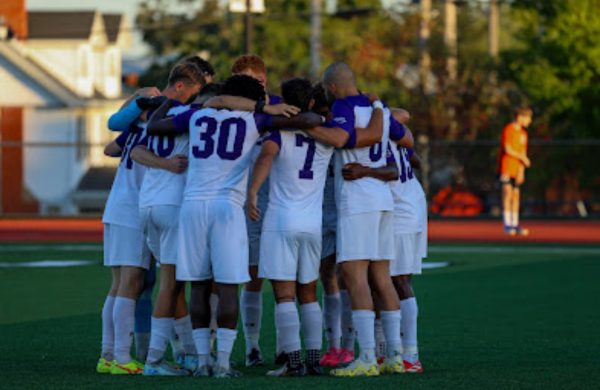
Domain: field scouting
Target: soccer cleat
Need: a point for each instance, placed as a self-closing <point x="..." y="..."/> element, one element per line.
<point x="288" y="370"/>
<point x="222" y="372"/>
<point x="357" y="368"/>
<point x="380" y="360"/>
<point x="281" y="358"/>
<point x="313" y="369"/>
<point x="511" y="231"/>
<point x="103" y="366"/>
<point x="188" y="362"/>
<point x="133" y="367"/>
<point x="392" y="366"/>
<point x="204" y="371"/>
<point x="163" y="368"/>
<point x="345" y="356"/>
<point x="521" y="231"/>
<point x="330" y="358"/>
<point x="413" y="368"/>
<point x="254" y="358"/>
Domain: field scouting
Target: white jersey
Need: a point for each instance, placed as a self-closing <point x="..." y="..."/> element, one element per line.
<point x="221" y="142"/>
<point x="162" y="187"/>
<point x="122" y="204"/>
<point x="365" y="194"/>
<point x="297" y="181"/>
<point x="410" y="205"/>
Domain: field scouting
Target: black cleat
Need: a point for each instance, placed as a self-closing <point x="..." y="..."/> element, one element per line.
<point x="281" y="358"/>
<point x="313" y="369"/>
<point x="288" y="370"/>
<point x="254" y="358"/>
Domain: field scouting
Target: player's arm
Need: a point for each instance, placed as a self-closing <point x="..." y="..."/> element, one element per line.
<point x="262" y="167"/>
<point x="159" y="125"/>
<point x="115" y="147"/>
<point x="175" y="164"/>
<point x="142" y="92"/>
<point x="243" y="104"/>
<point x="349" y="137"/>
<point x="399" y="133"/>
<point x="131" y="110"/>
<point x="414" y="159"/>
<point x="401" y="115"/>
<point x="354" y="171"/>
<point x="508" y="149"/>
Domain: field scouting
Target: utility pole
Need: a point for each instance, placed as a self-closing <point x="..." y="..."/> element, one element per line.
<point x="424" y="58"/>
<point x="450" y="39"/>
<point x="316" y="7"/>
<point x="248" y="27"/>
<point x="494" y="29"/>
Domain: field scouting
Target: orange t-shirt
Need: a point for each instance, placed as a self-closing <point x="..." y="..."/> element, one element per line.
<point x="515" y="137"/>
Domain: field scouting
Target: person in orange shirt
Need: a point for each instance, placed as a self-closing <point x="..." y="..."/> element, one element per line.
<point x="512" y="163"/>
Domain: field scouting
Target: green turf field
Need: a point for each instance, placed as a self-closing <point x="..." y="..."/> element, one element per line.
<point x="498" y="316"/>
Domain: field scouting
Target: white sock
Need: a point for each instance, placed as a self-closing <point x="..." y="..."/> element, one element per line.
<point x="225" y="340"/>
<point x="410" y="312"/>
<point x="176" y="345"/>
<point x="288" y="326"/>
<point x="348" y="328"/>
<point x="312" y="325"/>
<point x="108" y="330"/>
<point x="251" y="310"/>
<point x="123" y="320"/>
<point x="332" y="316"/>
<point x="183" y="330"/>
<point x="202" y="340"/>
<point x="364" y="322"/>
<point x="159" y="338"/>
<point x="391" y="329"/>
<point x="507" y="218"/>
<point x="379" y="339"/>
<point x="515" y="219"/>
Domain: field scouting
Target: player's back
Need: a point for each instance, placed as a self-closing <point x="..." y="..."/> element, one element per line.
<point x="297" y="180"/>
<point x="161" y="186"/>
<point x="219" y="154"/>
<point x="365" y="194"/>
<point x="408" y="194"/>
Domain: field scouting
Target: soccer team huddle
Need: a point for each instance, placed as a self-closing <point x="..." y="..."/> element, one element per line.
<point x="223" y="185"/>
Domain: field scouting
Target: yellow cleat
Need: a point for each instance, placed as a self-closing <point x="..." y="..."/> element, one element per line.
<point x="133" y="367"/>
<point x="357" y="368"/>
<point x="103" y="366"/>
<point x="392" y="366"/>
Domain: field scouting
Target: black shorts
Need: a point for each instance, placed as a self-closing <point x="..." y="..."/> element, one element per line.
<point x="509" y="180"/>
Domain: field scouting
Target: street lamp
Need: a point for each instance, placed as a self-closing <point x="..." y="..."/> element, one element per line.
<point x="247" y="7"/>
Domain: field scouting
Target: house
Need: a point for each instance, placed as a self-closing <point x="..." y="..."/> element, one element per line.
<point x="60" y="79"/>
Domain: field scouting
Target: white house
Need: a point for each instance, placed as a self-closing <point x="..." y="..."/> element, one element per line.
<point x="60" y="79"/>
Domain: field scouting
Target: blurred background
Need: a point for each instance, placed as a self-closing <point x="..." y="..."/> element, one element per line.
<point x="459" y="67"/>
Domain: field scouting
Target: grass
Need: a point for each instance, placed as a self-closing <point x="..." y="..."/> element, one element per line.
<point x="521" y="319"/>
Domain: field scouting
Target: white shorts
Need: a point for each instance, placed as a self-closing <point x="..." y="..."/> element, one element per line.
<point x="291" y="256"/>
<point x="161" y="225"/>
<point x="411" y="248"/>
<point x="328" y="245"/>
<point x="125" y="246"/>
<point x="365" y="236"/>
<point x="213" y="242"/>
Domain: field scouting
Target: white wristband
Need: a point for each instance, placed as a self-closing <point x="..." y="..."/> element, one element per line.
<point x="377" y="104"/>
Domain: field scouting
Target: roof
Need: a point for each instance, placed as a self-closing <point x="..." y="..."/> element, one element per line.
<point x="112" y="25"/>
<point x="60" y="25"/>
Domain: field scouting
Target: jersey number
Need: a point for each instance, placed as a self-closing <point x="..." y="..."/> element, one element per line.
<point x="406" y="172"/>
<point x="132" y="141"/>
<point x="306" y="171"/>
<point x="375" y="152"/>
<point x="162" y="145"/>
<point x="230" y="142"/>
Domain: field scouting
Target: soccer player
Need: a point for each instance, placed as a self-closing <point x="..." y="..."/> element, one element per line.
<point x="184" y="81"/>
<point x="251" y="296"/>
<point x="160" y="199"/>
<point x="364" y="236"/>
<point x="512" y="163"/>
<point x="290" y="247"/>
<point x="213" y="241"/>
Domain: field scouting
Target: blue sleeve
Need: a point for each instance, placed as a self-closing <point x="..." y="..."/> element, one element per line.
<point x="343" y="117"/>
<point x="121" y="120"/>
<point x="181" y="121"/>
<point x="409" y="152"/>
<point x="264" y="122"/>
<point x="397" y="129"/>
<point x="121" y="140"/>
<point x="274" y="99"/>
<point x="274" y="136"/>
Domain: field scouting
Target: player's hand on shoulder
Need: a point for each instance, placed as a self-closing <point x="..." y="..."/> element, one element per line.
<point x="353" y="171"/>
<point x="372" y="97"/>
<point x="148" y="92"/>
<point x="527" y="162"/>
<point x="252" y="207"/>
<point x="177" y="163"/>
<point x="281" y="109"/>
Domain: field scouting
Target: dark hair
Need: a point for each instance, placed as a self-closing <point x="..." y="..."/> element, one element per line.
<point x="244" y="86"/>
<point x="187" y="72"/>
<point x="297" y="92"/>
<point x="204" y="66"/>
<point x="322" y="103"/>
<point x="208" y="91"/>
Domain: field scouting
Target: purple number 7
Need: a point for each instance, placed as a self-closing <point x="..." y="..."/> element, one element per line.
<point x="306" y="172"/>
